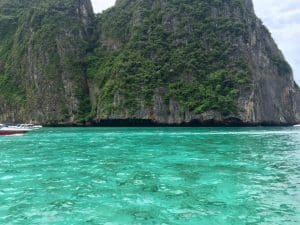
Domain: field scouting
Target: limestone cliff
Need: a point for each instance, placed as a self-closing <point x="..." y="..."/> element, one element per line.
<point x="42" y="49"/>
<point x="210" y="62"/>
<point x="143" y="61"/>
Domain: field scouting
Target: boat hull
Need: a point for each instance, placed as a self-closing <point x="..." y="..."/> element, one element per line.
<point x="6" y="133"/>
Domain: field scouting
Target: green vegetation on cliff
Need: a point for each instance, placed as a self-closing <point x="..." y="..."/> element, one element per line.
<point x="180" y="47"/>
<point x="164" y="61"/>
<point x="42" y="57"/>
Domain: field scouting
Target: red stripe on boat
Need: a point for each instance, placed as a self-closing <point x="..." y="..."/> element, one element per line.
<point x="11" y="132"/>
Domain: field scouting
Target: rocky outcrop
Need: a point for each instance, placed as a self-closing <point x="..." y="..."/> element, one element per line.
<point x="271" y="99"/>
<point x="45" y="63"/>
<point x="142" y="62"/>
<point x="297" y="105"/>
<point x="268" y="97"/>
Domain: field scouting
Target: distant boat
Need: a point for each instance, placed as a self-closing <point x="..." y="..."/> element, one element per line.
<point x="31" y="126"/>
<point x="17" y="129"/>
<point x="298" y="125"/>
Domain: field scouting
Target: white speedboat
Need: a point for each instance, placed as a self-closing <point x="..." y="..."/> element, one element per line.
<point x="297" y="125"/>
<point x="17" y="129"/>
<point x="13" y="130"/>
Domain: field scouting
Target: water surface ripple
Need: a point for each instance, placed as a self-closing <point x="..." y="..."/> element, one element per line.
<point x="188" y="176"/>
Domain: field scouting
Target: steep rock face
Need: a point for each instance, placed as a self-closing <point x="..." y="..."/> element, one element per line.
<point x="159" y="61"/>
<point x="190" y="61"/>
<point x="43" y="71"/>
<point x="272" y="96"/>
<point x="297" y="105"/>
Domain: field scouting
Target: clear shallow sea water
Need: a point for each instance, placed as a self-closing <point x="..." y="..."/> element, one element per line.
<point x="120" y="176"/>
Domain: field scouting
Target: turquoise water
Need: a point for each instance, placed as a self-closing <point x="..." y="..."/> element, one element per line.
<point x="190" y="176"/>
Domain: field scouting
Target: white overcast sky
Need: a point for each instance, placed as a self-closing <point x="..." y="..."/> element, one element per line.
<point x="281" y="17"/>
